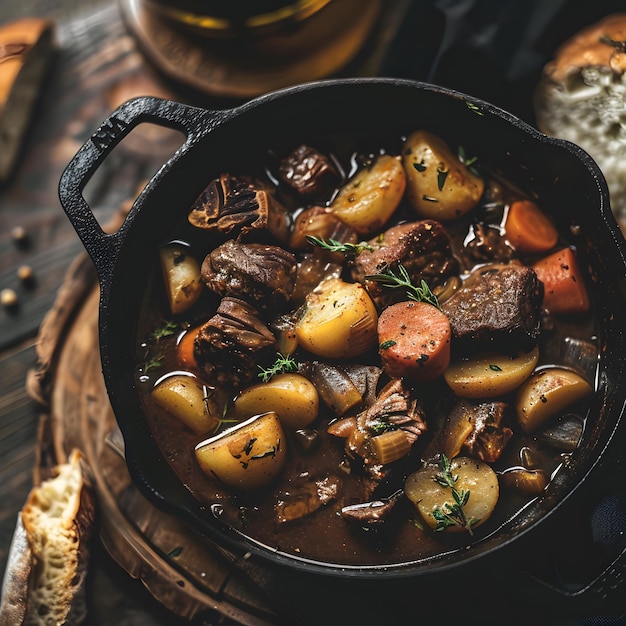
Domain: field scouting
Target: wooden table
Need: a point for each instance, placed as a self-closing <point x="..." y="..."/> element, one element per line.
<point x="97" y="66"/>
<point x="96" y="62"/>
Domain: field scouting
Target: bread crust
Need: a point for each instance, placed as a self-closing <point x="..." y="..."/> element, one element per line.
<point x="44" y="581"/>
<point x="591" y="47"/>
<point x="581" y="97"/>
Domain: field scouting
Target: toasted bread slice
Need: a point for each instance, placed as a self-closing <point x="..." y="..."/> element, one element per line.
<point x="44" y="582"/>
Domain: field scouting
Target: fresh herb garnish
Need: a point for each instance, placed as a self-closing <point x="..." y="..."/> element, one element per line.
<point x="332" y="245"/>
<point x="472" y="107"/>
<point x="441" y="178"/>
<point x="452" y="514"/>
<point x="152" y="363"/>
<point x="282" y="365"/>
<point x="469" y="162"/>
<point x="403" y="281"/>
<point x="167" y="330"/>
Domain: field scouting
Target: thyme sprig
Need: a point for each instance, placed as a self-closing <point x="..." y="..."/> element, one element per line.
<point x="332" y="245"/>
<point x="469" y="162"/>
<point x="402" y="280"/>
<point x="154" y="357"/>
<point x="452" y="514"/>
<point x="281" y="365"/>
<point x="167" y="329"/>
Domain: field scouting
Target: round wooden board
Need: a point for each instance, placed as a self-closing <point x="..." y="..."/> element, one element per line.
<point x="187" y="575"/>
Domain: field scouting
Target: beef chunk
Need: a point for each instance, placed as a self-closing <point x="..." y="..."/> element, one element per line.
<point x="308" y="171"/>
<point x="498" y="307"/>
<point x="488" y="246"/>
<point x="306" y="497"/>
<point x="232" y="343"/>
<point x="490" y="432"/>
<point x="240" y="207"/>
<point x="422" y="248"/>
<point x="480" y="429"/>
<point x="393" y="409"/>
<point x="264" y="275"/>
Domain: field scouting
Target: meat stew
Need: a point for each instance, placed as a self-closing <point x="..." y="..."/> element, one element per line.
<point x="371" y="467"/>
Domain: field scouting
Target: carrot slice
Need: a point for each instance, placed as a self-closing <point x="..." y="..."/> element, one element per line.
<point x="564" y="283"/>
<point x="184" y="350"/>
<point x="528" y="229"/>
<point x="414" y="341"/>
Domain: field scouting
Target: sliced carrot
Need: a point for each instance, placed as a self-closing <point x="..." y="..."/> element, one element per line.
<point x="414" y="341"/>
<point x="564" y="283"/>
<point x="528" y="229"/>
<point x="184" y="350"/>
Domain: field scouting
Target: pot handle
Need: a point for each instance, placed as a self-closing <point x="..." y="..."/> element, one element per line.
<point x="192" y="121"/>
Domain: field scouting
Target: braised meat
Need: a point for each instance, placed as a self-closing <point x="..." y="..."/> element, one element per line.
<point x="393" y="410"/>
<point x="308" y="171"/>
<point x="497" y="307"/>
<point x="488" y="246"/>
<point x="491" y="432"/>
<point x="262" y="274"/>
<point x="305" y="496"/>
<point x="229" y="347"/>
<point x="240" y="207"/>
<point x="422" y="248"/>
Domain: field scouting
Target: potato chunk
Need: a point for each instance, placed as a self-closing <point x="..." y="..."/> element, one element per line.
<point x="439" y="185"/>
<point x="291" y="396"/>
<point x="434" y="501"/>
<point x="181" y="276"/>
<point x="247" y="456"/>
<point x="546" y="393"/>
<point x="339" y="320"/>
<point x="189" y="400"/>
<point x="490" y="375"/>
<point x="370" y="198"/>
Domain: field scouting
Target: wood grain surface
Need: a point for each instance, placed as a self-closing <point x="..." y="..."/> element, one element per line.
<point x="96" y="67"/>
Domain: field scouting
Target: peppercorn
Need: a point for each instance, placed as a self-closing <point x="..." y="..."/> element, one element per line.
<point x="8" y="298"/>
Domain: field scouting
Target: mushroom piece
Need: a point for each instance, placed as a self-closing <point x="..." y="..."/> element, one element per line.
<point x="373" y="514"/>
<point x="239" y="207"/>
<point x="308" y="172"/>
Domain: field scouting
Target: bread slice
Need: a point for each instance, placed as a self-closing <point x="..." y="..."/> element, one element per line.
<point x="25" y="54"/>
<point x="44" y="582"/>
<point x="581" y="97"/>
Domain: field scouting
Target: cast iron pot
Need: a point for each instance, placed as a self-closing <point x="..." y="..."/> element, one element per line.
<point x="566" y="179"/>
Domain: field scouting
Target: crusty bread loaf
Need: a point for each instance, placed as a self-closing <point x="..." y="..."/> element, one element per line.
<point x="581" y="97"/>
<point x="44" y="582"/>
<point x="25" y="55"/>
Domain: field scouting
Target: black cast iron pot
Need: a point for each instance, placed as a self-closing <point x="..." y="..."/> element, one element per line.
<point x="562" y="175"/>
